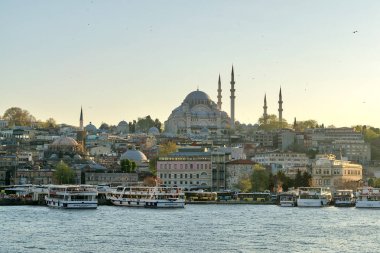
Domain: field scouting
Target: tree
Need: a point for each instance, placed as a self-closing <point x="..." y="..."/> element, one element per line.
<point x="18" y="117"/>
<point x="167" y="148"/>
<point x="302" y="125"/>
<point x="64" y="174"/>
<point x="128" y="166"/>
<point x="306" y="179"/>
<point x="153" y="165"/>
<point x="298" y="181"/>
<point x="260" y="179"/>
<point x="244" y="184"/>
<point x="273" y="123"/>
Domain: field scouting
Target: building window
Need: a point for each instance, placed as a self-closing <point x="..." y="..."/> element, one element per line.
<point x="175" y="166"/>
<point x="185" y="166"/>
<point x="181" y="166"/>
<point x="180" y="175"/>
<point x="191" y="166"/>
<point x="185" y="175"/>
<point x="175" y="175"/>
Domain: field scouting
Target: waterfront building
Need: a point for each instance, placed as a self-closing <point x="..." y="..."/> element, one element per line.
<point x="34" y="176"/>
<point x="8" y="166"/>
<point x="113" y="179"/>
<point x="3" y="123"/>
<point x="219" y="160"/>
<point x="327" y="171"/>
<point x="189" y="167"/>
<point x="236" y="170"/>
<point x="281" y="160"/>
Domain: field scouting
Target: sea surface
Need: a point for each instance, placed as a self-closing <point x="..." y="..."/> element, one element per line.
<point x="196" y="228"/>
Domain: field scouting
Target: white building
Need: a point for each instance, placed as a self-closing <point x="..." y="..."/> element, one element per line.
<point x="281" y="160"/>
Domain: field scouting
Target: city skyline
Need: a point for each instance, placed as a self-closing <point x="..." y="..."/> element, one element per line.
<point x="124" y="60"/>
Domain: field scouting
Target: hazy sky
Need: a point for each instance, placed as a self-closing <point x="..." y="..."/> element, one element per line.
<point x="127" y="59"/>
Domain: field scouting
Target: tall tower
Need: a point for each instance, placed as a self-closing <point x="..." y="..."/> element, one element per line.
<point x="232" y="98"/>
<point x="265" y="115"/>
<point x="81" y="119"/>
<point x="219" y="94"/>
<point x="280" y="109"/>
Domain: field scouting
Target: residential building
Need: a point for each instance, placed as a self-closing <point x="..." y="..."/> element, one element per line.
<point x="189" y="167"/>
<point x="327" y="171"/>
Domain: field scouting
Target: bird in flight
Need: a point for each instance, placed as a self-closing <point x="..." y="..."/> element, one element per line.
<point x="355" y="31"/>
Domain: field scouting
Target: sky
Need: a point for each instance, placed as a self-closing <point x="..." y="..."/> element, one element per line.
<point x="122" y="60"/>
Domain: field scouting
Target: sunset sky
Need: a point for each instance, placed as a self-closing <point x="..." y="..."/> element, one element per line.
<point x="122" y="60"/>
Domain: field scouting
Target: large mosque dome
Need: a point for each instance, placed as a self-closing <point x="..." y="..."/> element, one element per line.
<point x="197" y="112"/>
<point x="197" y="97"/>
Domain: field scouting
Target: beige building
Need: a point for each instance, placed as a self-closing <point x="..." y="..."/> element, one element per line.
<point x="336" y="174"/>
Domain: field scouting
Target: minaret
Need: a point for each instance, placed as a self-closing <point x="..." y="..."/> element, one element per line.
<point x="232" y="98"/>
<point x="295" y="123"/>
<point x="280" y="109"/>
<point x="219" y="94"/>
<point x="265" y="115"/>
<point x="81" y="119"/>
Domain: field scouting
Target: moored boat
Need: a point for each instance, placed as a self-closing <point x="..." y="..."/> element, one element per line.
<point x="344" y="198"/>
<point x="72" y="196"/>
<point x="313" y="196"/>
<point x="368" y="197"/>
<point x="149" y="197"/>
<point x="288" y="199"/>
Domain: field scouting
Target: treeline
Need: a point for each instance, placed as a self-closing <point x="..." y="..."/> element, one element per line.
<point x="262" y="179"/>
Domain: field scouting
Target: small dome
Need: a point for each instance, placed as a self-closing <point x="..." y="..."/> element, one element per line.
<point x="196" y="97"/>
<point x="91" y="128"/>
<point x="154" y="131"/>
<point x="65" y="141"/>
<point x="134" y="155"/>
<point x="123" y="123"/>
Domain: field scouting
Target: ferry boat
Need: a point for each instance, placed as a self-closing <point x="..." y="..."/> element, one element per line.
<point x="288" y="199"/>
<point x="72" y="196"/>
<point x="344" y="198"/>
<point x="313" y="196"/>
<point x="149" y="197"/>
<point x="368" y="197"/>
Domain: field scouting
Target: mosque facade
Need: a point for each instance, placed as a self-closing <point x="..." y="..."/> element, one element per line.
<point x="200" y="115"/>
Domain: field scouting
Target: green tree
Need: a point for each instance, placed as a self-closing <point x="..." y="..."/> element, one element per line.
<point x="244" y="184"/>
<point x="153" y="165"/>
<point x="302" y="125"/>
<point x="298" y="181"/>
<point x="167" y="148"/>
<point x="306" y="179"/>
<point x="18" y="117"/>
<point x="273" y="123"/>
<point x="63" y="174"/>
<point x="128" y="166"/>
<point x="260" y="178"/>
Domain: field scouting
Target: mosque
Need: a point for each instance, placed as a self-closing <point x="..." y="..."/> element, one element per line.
<point x="199" y="115"/>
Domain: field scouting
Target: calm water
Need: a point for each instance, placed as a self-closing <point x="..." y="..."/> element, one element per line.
<point x="197" y="228"/>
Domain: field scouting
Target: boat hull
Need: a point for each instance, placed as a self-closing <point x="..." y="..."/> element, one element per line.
<point x="367" y="204"/>
<point x="288" y="203"/>
<point x="149" y="203"/>
<point x="72" y="204"/>
<point x="344" y="203"/>
<point x="311" y="202"/>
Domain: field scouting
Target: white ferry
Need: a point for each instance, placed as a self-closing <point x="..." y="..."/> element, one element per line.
<point x="344" y="198"/>
<point x="150" y="197"/>
<point x="72" y="196"/>
<point x="368" y="197"/>
<point x="313" y="196"/>
<point x="288" y="199"/>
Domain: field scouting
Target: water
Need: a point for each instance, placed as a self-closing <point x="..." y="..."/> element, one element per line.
<point x="196" y="228"/>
